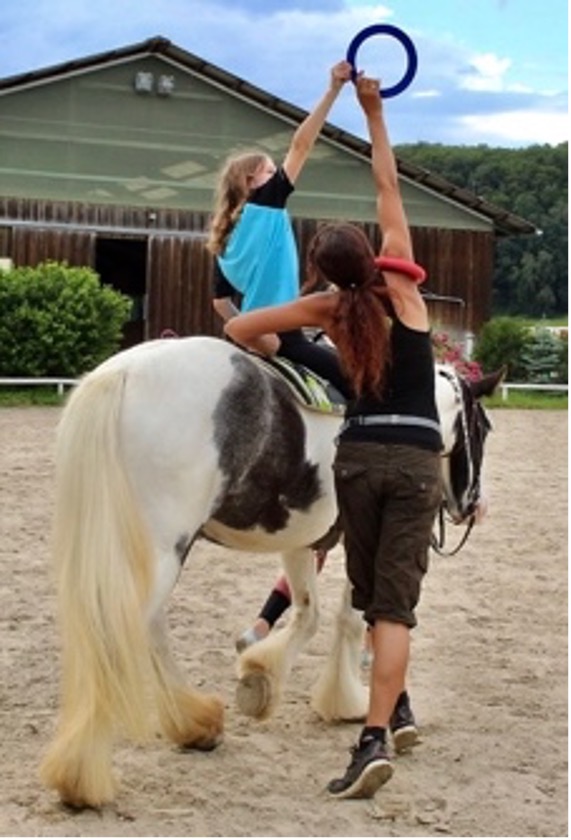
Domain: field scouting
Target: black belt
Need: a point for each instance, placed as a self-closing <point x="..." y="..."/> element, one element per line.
<point x="390" y="420"/>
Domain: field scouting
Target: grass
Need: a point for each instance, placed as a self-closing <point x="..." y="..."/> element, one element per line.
<point x="30" y="395"/>
<point x="529" y="399"/>
<point x="560" y="321"/>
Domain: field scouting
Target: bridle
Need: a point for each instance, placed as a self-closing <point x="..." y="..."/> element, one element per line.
<point x="474" y="428"/>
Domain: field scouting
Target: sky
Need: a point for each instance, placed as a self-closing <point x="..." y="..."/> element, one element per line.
<point x="489" y="71"/>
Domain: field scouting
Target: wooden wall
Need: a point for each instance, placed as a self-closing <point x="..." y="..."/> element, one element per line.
<point x="459" y="264"/>
<point x="179" y="269"/>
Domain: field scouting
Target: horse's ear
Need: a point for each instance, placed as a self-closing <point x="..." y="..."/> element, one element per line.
<point x="486" y="386"/>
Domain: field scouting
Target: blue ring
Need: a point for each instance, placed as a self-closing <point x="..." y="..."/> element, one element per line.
<point x="402" y="37"/>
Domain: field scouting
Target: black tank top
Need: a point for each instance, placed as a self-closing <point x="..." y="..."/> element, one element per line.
<point x="409" y="393"/>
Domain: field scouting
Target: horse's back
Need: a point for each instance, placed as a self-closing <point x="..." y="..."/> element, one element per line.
<point x="168" y="358"/>
<point x="202" y="420"/>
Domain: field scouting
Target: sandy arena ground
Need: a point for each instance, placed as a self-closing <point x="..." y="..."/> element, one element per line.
<point x="488" y="675"/>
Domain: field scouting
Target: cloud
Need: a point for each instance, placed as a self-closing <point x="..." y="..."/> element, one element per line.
<point x="432" y="93"/>
<point x="249" y="37"/>
<point x="287" y="47"/>
<point x="486" y="72"/>
<point x="518" y="128"/>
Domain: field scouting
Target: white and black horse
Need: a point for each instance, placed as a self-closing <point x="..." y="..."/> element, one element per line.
<point x="160" y="445"/>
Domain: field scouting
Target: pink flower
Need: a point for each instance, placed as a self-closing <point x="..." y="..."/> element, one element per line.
<point x="447" y="351"/>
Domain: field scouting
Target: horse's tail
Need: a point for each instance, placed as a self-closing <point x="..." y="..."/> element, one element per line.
<point x="104" y="573"/>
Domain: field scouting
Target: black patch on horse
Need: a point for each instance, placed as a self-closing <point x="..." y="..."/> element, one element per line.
<point x="260" y="437"/>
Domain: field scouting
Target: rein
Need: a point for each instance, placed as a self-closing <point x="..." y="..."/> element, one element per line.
<point x="437" y="540"/>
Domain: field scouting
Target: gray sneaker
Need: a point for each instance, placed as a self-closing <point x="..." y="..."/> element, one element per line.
<point x="369" y="768"/>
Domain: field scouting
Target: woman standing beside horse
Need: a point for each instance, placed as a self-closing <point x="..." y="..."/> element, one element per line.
<point x="387" y="468"/>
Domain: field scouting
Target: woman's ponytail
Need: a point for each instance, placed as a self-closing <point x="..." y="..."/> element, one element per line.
<point x="341" y="254"/>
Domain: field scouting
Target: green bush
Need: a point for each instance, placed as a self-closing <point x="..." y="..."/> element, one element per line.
<point x="57" y="321"/>
<point x="503" y="341"/>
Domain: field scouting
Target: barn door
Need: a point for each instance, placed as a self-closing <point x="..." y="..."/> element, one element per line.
<point x="179" y="286"/>
<point x="121" y="262"/>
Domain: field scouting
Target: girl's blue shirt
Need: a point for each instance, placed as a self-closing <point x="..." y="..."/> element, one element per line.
<point x="260" y="259"/>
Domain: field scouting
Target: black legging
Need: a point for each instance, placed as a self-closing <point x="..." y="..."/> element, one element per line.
<point x="324" y="361"/>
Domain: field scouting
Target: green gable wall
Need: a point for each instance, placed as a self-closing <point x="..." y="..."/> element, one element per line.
<point x="92" y="138"/>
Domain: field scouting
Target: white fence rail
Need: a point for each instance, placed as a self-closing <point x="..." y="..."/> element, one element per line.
<point x="61" y="383"/>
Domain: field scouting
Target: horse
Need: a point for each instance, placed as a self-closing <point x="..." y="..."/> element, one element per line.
<point x="172" y="441"/>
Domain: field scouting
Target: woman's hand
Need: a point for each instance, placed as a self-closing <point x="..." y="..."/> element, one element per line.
<point x="368" y="94"/>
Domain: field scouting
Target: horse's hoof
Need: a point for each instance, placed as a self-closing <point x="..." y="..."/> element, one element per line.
<point x="78" y="807"/>
<point x="253" y="694"/>
<point x="202" y="744"/>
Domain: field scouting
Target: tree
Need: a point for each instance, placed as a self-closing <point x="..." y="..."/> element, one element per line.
<point x="541" y="357"/>
<point x="531" y="272"/>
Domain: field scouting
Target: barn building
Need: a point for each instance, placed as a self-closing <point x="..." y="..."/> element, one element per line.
<point x="110" y="161"/>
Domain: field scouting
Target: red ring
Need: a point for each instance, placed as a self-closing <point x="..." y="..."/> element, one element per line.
<point x="411" y="269"/>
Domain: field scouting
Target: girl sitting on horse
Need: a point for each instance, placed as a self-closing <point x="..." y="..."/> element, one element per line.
<point x="252" y="239"/>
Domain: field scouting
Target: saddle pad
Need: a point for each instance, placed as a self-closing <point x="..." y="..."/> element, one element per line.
<point x="310" y="389"/>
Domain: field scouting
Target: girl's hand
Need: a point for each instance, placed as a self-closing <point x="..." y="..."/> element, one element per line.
<point x="340" y="73"/>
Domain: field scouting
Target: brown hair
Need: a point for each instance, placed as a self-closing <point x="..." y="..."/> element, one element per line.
<point x="234" y="187"/>
<point x="341" y="254"/>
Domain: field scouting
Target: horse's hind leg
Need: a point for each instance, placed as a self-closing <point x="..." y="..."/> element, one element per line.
<point x="78" y="763"/>
<point x="187" y="717"/>
<point x="263" y="668"/>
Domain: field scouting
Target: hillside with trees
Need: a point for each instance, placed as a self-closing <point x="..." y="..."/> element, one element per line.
<point x="531" y="272"/>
